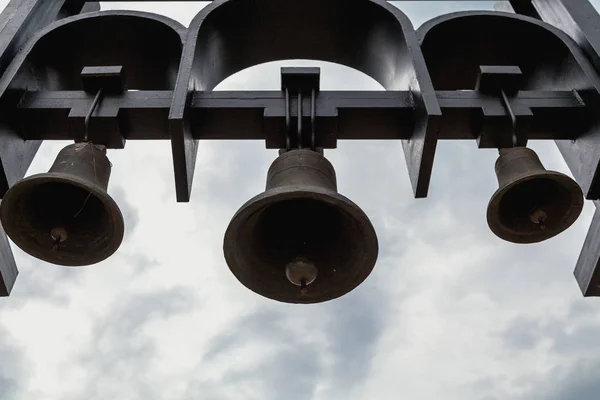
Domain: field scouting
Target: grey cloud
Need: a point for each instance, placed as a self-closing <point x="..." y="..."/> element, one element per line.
<point x="488" y="388"/>
<point x="583" y="342"/>
<point x="130" y="214"/>
<point x="353" y="328"/>
<point x="118" y="348"/>
<point x="579" y="380"/>
<point x="573" y="340"/>
<point x="293" y="372"/>
<point x="574" y="336"/>
<point x="419" y="13"/>
<point x="9" y="387"/>
<point x="238" y="173"/>
<point x="13" y="367"/>
<point x="37" y="281"/>
<point x="350" y="326"/>
<point x="523" y="333"/>
<point x="583" y="309"/>
<point x="140" y="262"/>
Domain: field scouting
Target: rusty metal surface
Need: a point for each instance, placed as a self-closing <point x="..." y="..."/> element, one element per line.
<point x="8" y="265"/>
<point x="531" y="204"/>
<point x="301" y="215"/>
<point x="71" y="198"/>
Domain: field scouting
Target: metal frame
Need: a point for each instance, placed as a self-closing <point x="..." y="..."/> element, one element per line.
<point x="47" y="88"/>
<point x="580" y="20"/>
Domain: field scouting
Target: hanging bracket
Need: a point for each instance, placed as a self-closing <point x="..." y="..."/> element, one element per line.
<point x="300" y="83"/>
<point x="99" y="123"/>
<point x="495" y="130"/>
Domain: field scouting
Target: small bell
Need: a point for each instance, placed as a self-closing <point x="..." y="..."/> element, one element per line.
<point x="300" y="241"/>
<point x="532" y="204"/>
<point x="65" y="216"/>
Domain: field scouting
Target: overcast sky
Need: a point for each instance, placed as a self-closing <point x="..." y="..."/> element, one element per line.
<point x="450" y="312"/>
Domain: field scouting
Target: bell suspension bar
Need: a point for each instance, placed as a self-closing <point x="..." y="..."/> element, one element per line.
<point x="326" y="116"/>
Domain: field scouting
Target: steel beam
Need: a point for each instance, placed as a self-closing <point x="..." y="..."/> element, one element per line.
<point x="260" y="115"/>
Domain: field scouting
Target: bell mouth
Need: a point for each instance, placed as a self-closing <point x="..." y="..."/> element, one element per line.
<point x="535" y="207"/>
<point x="319" y="226"/>
<point x="62" y="219"/>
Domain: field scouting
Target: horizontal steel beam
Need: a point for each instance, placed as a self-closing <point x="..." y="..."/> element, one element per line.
<point x="143" y="115"/>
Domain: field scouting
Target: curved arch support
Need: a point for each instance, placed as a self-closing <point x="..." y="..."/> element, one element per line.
<point x="455" y="45"/>
<point x="53" y="59"/>
<point x="368" y="35"/>
<point x="145" y="44"/>
<point x="149" y="45"/>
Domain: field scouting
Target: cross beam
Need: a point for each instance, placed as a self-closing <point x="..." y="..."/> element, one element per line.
<point x="260" y="115"/>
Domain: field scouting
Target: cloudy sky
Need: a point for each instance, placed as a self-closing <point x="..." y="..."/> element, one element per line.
<point x="450" y="311"/>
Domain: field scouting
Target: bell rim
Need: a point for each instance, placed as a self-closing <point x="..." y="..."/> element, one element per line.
<point x="508" y="235"/>
<point x="256" y="203"/>
<point x="117" y="220"/>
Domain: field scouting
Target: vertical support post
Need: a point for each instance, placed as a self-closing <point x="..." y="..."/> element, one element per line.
<point x="19" y="21"/>
<point x="587" y="270"/>
<point x="8" y="266"/>
<point x="578" y="18"/>
<point x="75" y="7"/>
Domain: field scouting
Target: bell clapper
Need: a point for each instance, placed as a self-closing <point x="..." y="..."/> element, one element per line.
<point x="538" y="216"/>
<point x="303" y="287"/>
<point x="59" y="235"/>
<point x="301" y="272"/>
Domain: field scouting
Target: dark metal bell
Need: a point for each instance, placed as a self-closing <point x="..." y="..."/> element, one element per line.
<point x="65" y="216"/>
<point x="300" y="241"/>
<point x="532" y="204"/>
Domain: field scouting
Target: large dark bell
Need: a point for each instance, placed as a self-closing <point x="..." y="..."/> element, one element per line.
<point x="300" y="241"/>
<point x="65" y="216"/>
<point x="532" y="204"/>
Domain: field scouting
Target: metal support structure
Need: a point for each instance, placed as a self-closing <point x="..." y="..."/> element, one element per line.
<point x="146" y="77"/>
<point x="340" y="115"/>
<point x="580" y="20"/>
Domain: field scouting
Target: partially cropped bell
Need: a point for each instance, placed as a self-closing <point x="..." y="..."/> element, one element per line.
<point x="532" y="204"/>
<point x="65" y="216"/>
<point x="300" y="241"/>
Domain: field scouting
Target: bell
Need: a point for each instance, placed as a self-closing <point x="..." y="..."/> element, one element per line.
<point x="532" y="204"/>
<point x="65" y="216"/>
<point x="300" y="241"/>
